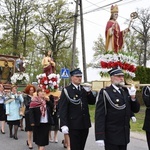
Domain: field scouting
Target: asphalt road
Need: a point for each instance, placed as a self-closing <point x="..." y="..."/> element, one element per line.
<point x="138" y="142"/>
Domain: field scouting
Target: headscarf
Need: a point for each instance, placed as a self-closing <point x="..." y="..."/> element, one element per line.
<point x="39" y="102"/>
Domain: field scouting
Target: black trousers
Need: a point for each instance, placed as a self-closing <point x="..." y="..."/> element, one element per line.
<point x="78" y="138"/>
<point x="148" y="139"/>
<point x="109" y="146"/>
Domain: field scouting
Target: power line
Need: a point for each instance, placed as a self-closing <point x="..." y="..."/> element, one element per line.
<point x="92" y="3"/>
<point x="132" y="1"/>
<point x="102" y="7"/>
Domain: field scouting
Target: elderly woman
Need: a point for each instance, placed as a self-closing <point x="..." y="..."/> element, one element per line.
<point x="13" y="104"/>
<point x="2" y="109"/>
<point x="40" y="118"/>
<point x="29" y="90"/>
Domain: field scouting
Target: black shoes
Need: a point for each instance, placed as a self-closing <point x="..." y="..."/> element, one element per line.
<point x="63" y="142"/>
<point x="28" y="145"/>
<point x="2" y="132"/>
<point x="15" y="138"/>
<point x="11" y="136"/>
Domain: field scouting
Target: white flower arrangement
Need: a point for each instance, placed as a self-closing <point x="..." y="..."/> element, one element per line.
<point x="123" y="60"/>
<point x="50" y="82"/>
<point x="20" y="78"/>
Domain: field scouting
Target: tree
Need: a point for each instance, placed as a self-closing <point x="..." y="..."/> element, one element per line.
<point x="99" y="48"/>
<point x="143" y="29"/>
<point x="56" y="24"/>
<point x="133" y="46"/>
<point x="16" y="18"/>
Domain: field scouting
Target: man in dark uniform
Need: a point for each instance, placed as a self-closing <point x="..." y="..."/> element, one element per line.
<point x="113" y="110"/>
<point x="146" y="125"/>
<point x="74" y="111"/>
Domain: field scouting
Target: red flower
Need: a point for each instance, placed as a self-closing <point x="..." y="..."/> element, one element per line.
<point x="56" y="86"/>
<point x="103" y="64"/>
<point x="47" y="91"/>
<point x="53" y="79"/>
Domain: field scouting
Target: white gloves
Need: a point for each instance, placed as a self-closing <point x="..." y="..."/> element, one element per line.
<point x="133" y="119"/>
<point x="87" y="88"/>
<point x="65" y="129"/>
<point x="100" y="143"/>
<point x="132" y="90"/>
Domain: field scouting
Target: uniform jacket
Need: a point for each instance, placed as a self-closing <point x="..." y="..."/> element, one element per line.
<point x="27" y="100"/>
<point x="111" y="124"/>
<point x="13" y="107"/>
<point x="146" y="99"/>
<point x="35" y="114"/>
<point x="72" y="115"/>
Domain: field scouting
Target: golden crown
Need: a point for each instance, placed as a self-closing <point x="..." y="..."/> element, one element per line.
<point x="114" y="9"/>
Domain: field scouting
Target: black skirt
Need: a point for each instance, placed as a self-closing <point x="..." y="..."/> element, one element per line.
<point x="14" y="122"/>
<point x="28" y="126"/>
<point x="41" y="134"/>
<point x="2" y="113"/>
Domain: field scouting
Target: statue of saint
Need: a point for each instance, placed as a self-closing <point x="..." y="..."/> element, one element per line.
<point x="21" y="63"/>
<point x="114" y="37"/>
<point x="6" y="72"/>
<point x="48" y="63"/>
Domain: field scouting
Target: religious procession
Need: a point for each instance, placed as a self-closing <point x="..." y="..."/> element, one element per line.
<point x="44" y="105"/>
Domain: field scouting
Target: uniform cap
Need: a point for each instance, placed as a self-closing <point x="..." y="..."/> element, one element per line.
<point x="76" y="72"/>
<point x="115" y="71"/>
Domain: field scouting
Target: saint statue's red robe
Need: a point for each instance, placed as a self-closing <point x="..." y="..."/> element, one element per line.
<point x="114" y="40"/>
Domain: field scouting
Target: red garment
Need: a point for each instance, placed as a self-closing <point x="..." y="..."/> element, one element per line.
<point x="39" y="102"/>
<point x="49" y="69"/>
<point x="117" y="37"/>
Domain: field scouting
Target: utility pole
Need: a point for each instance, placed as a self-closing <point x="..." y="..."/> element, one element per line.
<point x="83" y="43"/>
<point x="74" y="36"/>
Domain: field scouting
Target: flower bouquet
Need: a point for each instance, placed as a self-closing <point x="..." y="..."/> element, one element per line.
<point x="20" y="78"/>
<point x="50" y="83"/>
<point x="123" y="60"/>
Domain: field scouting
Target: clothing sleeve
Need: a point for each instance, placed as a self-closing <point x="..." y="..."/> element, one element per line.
<point x="146" y="96"/>
<point x="26" y="101"/>
<point x="100" y="117"/>
<point x="91" y="98"/>
<point x="63" y="109"/>
<point x="135" y="106"/>
<point x="7" y="108"/>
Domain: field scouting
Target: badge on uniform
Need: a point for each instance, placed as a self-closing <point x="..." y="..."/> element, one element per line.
<point x="114" y="90"/>
<point x="117" y="100"/>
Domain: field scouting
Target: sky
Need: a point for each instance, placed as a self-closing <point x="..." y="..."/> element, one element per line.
<point x="95" y="22"/>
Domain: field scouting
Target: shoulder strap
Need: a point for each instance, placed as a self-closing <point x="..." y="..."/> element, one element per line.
<point x="106" y="95"/>
<point x="76" y="101"/>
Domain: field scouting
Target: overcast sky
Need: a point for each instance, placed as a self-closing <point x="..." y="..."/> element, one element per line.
<point x="95" y="22"/>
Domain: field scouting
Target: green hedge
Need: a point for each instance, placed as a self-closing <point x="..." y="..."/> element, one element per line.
<point x="142" y="75"/>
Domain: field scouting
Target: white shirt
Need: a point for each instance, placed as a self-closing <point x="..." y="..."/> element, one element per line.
<point x="76" y="86"/>
<point x="44" y="119"/>
<point x="117" y="88"/>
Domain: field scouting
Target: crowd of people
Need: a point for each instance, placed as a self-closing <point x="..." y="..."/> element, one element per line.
<point x="39" y="114"/>
<point x="115" y="105"/>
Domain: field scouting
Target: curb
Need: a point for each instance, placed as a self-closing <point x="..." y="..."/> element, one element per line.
<point x="138" y="135"/>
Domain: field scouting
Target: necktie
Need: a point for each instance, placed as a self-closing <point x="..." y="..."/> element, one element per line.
<point x="121" y="90"/>
<point x="78" y="88"/>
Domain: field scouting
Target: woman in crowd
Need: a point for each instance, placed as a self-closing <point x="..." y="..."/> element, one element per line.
<point x="29" y="90"/>
<point x="40" y="118"/>
<point x="2" y="109"/>
<point x="13" y="104"/>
